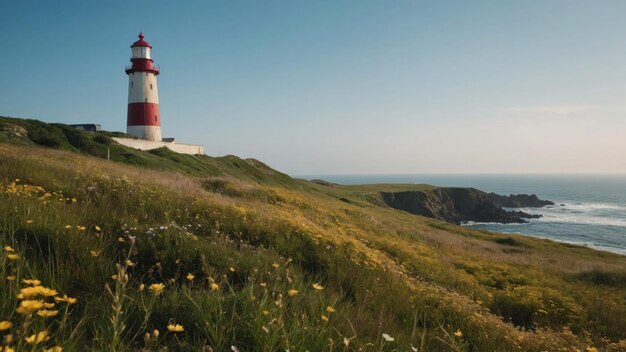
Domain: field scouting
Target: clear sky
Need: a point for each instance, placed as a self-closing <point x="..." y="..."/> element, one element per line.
<point x="327" y="87"/>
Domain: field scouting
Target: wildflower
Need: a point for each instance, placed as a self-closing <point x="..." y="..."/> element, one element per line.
<point x="114" y="276"/>
<point x="318" y="287"/>
<point x="48" y="305"/>
<point x="177" y="261"/>
<point x="330" y="309"/>
<point x="46" y="292"/>
<point x="27" y="292"/>
<point x="33" y="282"/>
<point x="94" y="253"/>
<point x="11" y="278"/>
<point x="121" y="240"/>
<point x="13" y="256"/>
<point x="190" y="276"/>
<point x="157" y="288"/>
<point x="388" y="338"/>
<point x="97" y="228"/>
<point x="38" y="337"/>
<point x="68" y="226"/>
<point x="65" y="298"/>
<point x="263" y="284"/>
<point x="141" y="287"/>
<point x="155" y="333"/>
<point x="591" y="349"/>
<point x="458" y="333"/>
<point x="175" y="328"/>
<point x="29" y="221"/>
<point x="4" y="325"/>
<point x="265" y="329"/>
<point x="232" y="270"/>
<point x="265" y="312"/>
<point x="47" y="313"/>
<point x="292" y="292"/>
<point x="82" y="228"/>
<point x="346" y="341"/>
<point x="214" y="286"/>
<point x="54" y="349"/>
<point x="8" y="249"/>
<point x="129" y="263"/>
<point x="74" y="200"/>
<point x="234" y="348"/>
<point x="276" y="266"/>
<point x="28" y="307"/>
<point x="324" y="318"/>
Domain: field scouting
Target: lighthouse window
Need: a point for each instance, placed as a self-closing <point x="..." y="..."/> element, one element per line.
<point x="132" y="83"/>
<point x="150" y="85"/>
<point x="155" y="118"/>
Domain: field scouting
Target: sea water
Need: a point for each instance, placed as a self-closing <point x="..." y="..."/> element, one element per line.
<point x="590" y="210"/>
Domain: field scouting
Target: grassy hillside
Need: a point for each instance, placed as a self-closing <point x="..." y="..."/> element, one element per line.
<point x="237" y="254"/>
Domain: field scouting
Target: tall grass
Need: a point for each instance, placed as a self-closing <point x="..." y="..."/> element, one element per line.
<point x="254" y="266"/>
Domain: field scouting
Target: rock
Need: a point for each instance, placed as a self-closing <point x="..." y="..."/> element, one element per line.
<point x="459" y="205"/>
<point x="518" y="201"/>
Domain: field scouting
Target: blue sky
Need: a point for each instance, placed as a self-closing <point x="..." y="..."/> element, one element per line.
<point x="324" y="87"/>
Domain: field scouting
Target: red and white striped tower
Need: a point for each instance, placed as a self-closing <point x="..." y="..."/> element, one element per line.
<point x="144" y="119"/>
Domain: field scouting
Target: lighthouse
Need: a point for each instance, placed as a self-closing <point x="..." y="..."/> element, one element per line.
<point x="143" y="118"/>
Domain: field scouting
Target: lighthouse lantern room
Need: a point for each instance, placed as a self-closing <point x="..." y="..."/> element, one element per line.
<point x="143" y="118"/>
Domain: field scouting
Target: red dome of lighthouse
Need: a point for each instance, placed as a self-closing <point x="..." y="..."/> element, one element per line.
<point x="141" y="42"/>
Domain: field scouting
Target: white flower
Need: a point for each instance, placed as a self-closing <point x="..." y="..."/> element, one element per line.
<point x="346" y="341"/>
<point x="414" y="349"/>
<point x="265" y="329"/>
<point x="388" y="338"/>
<point x="234" y="349"/>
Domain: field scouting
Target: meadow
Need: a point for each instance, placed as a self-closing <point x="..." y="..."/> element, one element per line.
<point x="160" y="251"/>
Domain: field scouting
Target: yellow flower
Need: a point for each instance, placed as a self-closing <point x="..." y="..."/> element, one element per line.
<point x="46" y="292"/>
<point x="98" y="228"/>
<point x="65" y="298"/>
<point x="175" y="328"/>
<point x="142" y="287"/>
<point x="54" y="349"/>
<point x="232" y="270"/>
<point x="4" y="325"/>
<point x="48" y="305"/>
<point x="120" y="239"/>
<point x="94" y="253"/>
<point x="458" y="333"/>
<point x="11" y="278"/>
<point x="263" y="284"/>
<point x="68" y="226"/>
<point x="8" y="249"/>
<point x="214" y="286"/>
<point x="114" y="276"/>
<point x="265" y="312"/>
<point x="82" y="228"/>
<point x="13" y="256"/>
<point x="190" y="277"/>
<point x="157" y="288"/>
<point x="27" y="292"/>
<point x="130" y="263"/>
<point x="591" y="349"/>
<point x="47" y="313"/>
<point x="276" y="266"/>
<point x="292" y="292"/>
<point x="37" y="338"/>
<point x="330" y="309"/>
<point x="318" y="287"/>
<point x="324" y="318"/>
<point x="33" y="282"/>
<point x="74" y="200"/>
<point x="29" y="306"/>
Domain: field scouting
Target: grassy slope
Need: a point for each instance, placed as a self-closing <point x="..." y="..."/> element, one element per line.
<point x="383" y="271"/>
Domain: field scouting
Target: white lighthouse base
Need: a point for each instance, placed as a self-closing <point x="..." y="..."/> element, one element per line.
<point x="150" y="133"/>
<point x="141" y="144"/>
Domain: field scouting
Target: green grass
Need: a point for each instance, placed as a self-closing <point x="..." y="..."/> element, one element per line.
<point x="76" y="219"/>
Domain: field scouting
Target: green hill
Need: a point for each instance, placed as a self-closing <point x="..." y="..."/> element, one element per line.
<point x="243" y="257"/>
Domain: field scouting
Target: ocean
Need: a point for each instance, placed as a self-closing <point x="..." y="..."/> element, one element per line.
<point x="590" y="210"/>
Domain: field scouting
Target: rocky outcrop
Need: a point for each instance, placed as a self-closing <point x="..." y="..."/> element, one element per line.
<point x="518" y="201"/>
<point x="455" y="205"/>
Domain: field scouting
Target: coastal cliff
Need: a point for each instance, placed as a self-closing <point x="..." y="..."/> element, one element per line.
<point x="459" y="205"/>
